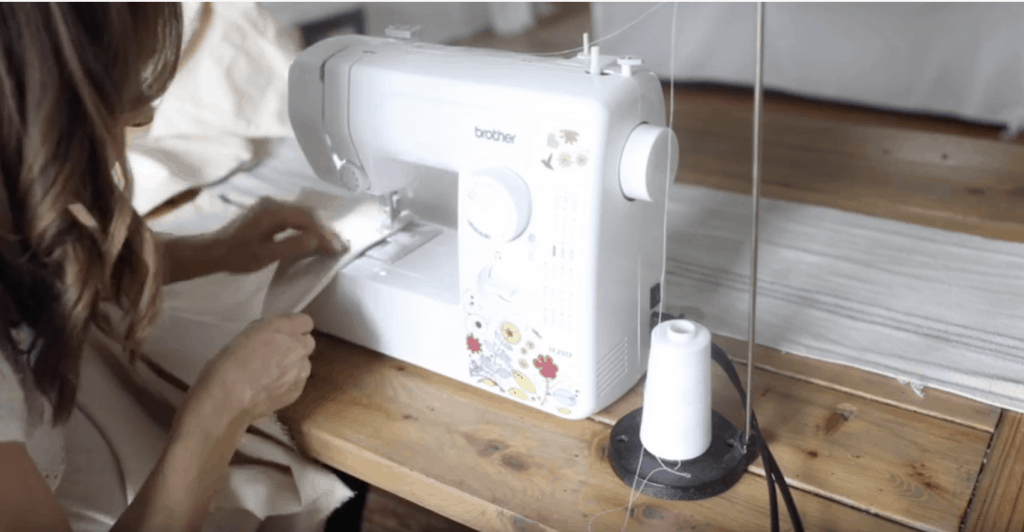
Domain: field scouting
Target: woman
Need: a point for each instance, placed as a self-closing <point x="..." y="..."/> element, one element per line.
<point x="72" y="78"/>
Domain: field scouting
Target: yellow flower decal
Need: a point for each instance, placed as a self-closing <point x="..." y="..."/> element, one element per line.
<point x="524" y="382"/>
<point x="510" y="333"/>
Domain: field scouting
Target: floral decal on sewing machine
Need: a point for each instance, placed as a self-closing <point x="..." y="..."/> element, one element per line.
<point x="518" y="351"/>
<point x="517" y="365"/>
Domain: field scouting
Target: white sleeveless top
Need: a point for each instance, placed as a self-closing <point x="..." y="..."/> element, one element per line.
<point x="75" y="459"/>
<point x="26" y="414"/>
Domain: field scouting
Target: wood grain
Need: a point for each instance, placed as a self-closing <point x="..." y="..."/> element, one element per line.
<point x="998" y="504"/>
<point x="914" y="469"/>
<point x="490" y="464"/>
<point x="962" y="184"/>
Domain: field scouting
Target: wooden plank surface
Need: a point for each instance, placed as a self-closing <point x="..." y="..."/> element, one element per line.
<point x="915" y="469"/>
<point x="491" y="464"/>
<point x="962" y="184"/>
<point x="998" y="504"/>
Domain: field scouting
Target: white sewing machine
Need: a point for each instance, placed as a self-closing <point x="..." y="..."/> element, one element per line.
<point x="538" y="189"/>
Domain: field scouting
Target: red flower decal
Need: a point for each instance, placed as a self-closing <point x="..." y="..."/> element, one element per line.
<point x="547" y="367"/>
<point x="473" y="344"/>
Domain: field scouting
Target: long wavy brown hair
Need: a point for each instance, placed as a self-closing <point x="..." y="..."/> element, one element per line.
<point x="71" y="242"/>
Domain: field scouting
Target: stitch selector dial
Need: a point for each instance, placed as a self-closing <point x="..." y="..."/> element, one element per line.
<point x="498" y="204"/>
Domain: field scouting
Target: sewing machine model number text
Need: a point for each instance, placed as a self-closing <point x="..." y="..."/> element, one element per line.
<point x="559" y="352"/>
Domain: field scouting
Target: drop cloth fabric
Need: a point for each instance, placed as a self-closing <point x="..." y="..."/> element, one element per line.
<point x="933" y="308"/>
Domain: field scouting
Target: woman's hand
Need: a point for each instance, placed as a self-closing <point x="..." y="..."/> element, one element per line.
<point x="262" y="371"/>
<point x="251" y="241"/>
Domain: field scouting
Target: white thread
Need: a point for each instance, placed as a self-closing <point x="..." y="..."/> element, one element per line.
<point x="639" y="311"/>
<point x="616" y="32"/>
<point x="668" y="170"/>
<point x="634" y="493"/>
<point x="633" y="496"/>
<point x="590" y="524"/>
<point x="676" y="421"/>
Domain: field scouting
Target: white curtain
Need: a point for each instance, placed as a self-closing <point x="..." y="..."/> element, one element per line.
<point x="512" y="18"/>
<point x="441" y="21"/>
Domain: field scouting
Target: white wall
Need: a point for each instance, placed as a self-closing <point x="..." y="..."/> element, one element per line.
<point x="294" y="13"/>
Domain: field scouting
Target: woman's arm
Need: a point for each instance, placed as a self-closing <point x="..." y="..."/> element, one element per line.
<point x="26" y="502"/>
<point x="175" y="497"/>
<point x="250" y="243"/>
<point x="190" y="257"/>
<point x="178" y="492"/>
<point x="263" y="370"/>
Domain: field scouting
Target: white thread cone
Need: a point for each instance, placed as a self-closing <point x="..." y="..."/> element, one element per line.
<point x="676" y="422"/>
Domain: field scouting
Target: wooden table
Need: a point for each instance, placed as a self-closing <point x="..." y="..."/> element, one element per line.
<point x="862" y="451"/>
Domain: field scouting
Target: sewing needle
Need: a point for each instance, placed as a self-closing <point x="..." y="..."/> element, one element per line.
<point x="756" y="193"/>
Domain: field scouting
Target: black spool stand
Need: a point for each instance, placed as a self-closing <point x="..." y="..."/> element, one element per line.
<point x="708" y="475"/>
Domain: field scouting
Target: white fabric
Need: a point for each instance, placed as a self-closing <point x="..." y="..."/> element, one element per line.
<point x="91" y="491"/>
<point x="959" y="59"/>
<point x="195" y="325"/>
<point x="284" y="175"/>
<point x="113" y="444"/>
<point x="26" y="415"/>
<point x="931" y="307"/>
<point x="74" y="460"/>
<point x="13" y="414"/>
<point x="232" y="91"/>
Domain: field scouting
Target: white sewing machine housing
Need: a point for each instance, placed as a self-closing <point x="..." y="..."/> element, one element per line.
<point x="538" y="189"/>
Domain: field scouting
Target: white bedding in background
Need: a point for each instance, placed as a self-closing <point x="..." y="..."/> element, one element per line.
<point x="958" y="59"/>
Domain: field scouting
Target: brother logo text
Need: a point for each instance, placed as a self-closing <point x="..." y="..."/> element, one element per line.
<point x="494" y="135"/>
